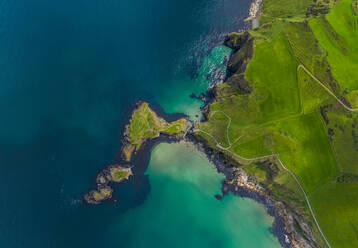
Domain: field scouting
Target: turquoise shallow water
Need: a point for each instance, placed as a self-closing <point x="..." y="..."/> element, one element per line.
<point x="173" y="102"/>
<point x="181" y="210"/>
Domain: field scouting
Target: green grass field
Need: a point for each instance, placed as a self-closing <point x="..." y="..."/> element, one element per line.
<point x="276" y="86"/>
<point x="283" y="186"/>
<point x="309" y="52"/>
<point x="312" y="94"/>
<point x="336" y="208"/>
<point x="337" y="33"/>
<point x="308" y="153"/>
<point x="274" y="9"/>
<point x="145" y="124"/>
<point x="355" y="7"/>
<point x="289" y="113"/>
<point x="345" y="139"/>
<point x="254" y="147"/>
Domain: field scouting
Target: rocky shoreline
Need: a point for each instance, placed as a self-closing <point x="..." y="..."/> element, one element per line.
<point x="111" y="174"/>
<point x="254" y="13"/>
<point x="236" y="182"/>
<point x="123" y="170"/>
<point x="239" y="183"/>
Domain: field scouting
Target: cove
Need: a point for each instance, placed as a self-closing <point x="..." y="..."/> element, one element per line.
<point x="181" y="210"/>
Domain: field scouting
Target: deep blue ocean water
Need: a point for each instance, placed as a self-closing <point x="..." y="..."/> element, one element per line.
<point x="69" y="73"/>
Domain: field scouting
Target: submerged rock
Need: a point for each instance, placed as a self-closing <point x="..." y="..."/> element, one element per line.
<point x="219" y="197"/>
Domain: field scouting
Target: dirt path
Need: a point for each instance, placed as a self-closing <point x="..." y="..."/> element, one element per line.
<point x="326" y="88"/>
<point x="275" y="156"/>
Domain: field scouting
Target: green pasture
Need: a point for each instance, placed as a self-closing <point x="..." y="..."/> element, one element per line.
<point x="291" y="114"/>
<point x="344" y="139"/>
<point x="335" y="206"/>
<point x="305" y="149"/>
<point x="284" y="9"/>
<point x="272" y="71"/>
<point x="313" y="95"/>
<point x="337" y="33"/>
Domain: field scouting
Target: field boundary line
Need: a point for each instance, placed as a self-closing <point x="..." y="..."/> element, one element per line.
<point x="275" y="156"/>
<point x="326" y="88"/>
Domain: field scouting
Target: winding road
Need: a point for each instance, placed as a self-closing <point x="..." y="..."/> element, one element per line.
<point x="326" y="88"/>
<point x="276" y="156"/>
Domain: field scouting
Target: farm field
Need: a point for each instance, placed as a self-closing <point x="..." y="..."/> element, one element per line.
<point x="303" y="76"/>
<point x="337" y="33"/>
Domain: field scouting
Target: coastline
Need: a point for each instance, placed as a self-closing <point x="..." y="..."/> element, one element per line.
<point x="254" y="13"/>
<point x="237" y="181"/>
<point x="136" y="163"/>
<point x="240" y="184"/>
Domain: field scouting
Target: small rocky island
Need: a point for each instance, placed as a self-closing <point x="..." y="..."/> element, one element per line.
<point x="144" y="124"/>
<point x="113" y="173"/>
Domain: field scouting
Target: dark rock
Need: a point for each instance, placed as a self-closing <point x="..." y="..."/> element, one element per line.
<point x="219" y="197"/>
<point x="236" y="40"/>
<point x="324" y="115"/>
<point x="240" y="58"/>
<point x="239" y="84"/>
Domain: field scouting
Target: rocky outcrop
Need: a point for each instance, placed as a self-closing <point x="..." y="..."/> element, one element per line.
<point x="239" y="84"/>
<point x="255" y="9"/>
<point x="112" y="174"/>
<point x="145" y="124"/>
<point x="290" y="227"/>
<point x="242" y="44"/>
<point x="240" y="183"/>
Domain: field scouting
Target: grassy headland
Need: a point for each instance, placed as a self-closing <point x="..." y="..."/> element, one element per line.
<point x="146" y="124"/>
<point x="294" y="94"/>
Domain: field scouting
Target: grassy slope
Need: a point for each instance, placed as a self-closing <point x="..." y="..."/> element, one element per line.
<point x="312" y="94"/>
<point x="144" y="124"/>
<point x="282" y="185"/>
<point x="253" y="146"/>
<point x="264" y="122"/>
<point x="345" y="139"/>
<point x="308" y="51"/>
<point x="275" y="85"/>
<point x="273" y="9"/>
<point x="308" y="153"/>
<point x="336" y="208"/>
<point x="338" y="35"/>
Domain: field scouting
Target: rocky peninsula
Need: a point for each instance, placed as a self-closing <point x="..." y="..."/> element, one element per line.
<point x="144" y="125"/>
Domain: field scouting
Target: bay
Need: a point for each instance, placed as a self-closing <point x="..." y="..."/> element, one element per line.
<point x="181" y="210"/>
